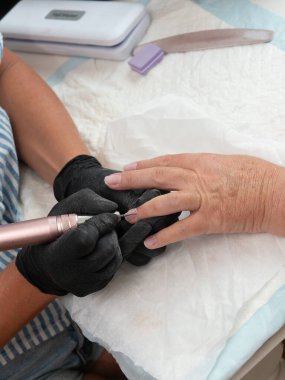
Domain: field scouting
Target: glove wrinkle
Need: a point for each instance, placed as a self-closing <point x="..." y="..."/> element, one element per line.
<point x="82" y="260"/>
<point x="94" y="204"/>
<point x="133" y="237"/>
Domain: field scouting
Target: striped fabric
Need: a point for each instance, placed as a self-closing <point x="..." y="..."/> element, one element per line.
<point x="54" y="318"/>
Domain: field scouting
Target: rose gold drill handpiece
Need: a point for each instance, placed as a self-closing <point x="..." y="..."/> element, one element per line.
<point x="38" y="231"/>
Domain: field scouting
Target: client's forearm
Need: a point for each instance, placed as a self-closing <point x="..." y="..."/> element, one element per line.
<point x="20" y="302"/>
<point x="46" y="137"/>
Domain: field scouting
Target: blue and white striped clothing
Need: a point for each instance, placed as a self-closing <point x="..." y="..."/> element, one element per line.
<point x="54" y="319"/>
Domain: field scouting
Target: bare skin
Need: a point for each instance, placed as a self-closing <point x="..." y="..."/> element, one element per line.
<point x="224" y="193"/>
<point x="45" y="135"/>
<point x="46" y="139"/>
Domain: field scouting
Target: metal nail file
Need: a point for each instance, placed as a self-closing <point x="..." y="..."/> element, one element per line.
<point x="148" y="55"/>
<point x="211" y="39"/>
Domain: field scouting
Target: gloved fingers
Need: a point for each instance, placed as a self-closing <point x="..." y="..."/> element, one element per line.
<point x="140" y="249"/>
<point x="111" y="267"/>
<point x="32" y="262"/>
<point x="134" y="236"/>
<point x="160" y="222"/>
<point x="104" y="223"/>
<point x="82" y="241"/>
<point x="122" y="227"/>
<point x="82" y="289"/>
<point x="73" y="175"/>
<point x="147" y="196"/>
<point x="107" y="250"/>
<point x="84" y="202"/>
<point x="138" y="259"/>
<point x="94" y="277"/>
<point x="143" y="250"/>
<point x="142" y="255"/>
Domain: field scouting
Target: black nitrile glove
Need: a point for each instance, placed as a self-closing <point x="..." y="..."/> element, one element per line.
<point x="81" y="261"/>
<point x="86" y="172"/>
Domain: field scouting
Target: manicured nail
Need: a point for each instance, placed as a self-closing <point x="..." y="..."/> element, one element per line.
<point x="131" y="166"/>
<point x="150" y="242"/>
<point x="113" y="179"/>
<point x="131" y="216"/>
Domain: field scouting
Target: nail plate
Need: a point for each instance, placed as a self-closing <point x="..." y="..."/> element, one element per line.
<point x="113" y="179"/>
<point x="131" y="216"/>
<point x="150" y="242"/>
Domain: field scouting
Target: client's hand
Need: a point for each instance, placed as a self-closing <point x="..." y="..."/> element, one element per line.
<point x="86" y="172"/>
<point x="81" y="261"/>
<point x="225" y="194"/>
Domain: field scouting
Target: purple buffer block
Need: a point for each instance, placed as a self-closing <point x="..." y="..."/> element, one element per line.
<point x="147" y="57"/>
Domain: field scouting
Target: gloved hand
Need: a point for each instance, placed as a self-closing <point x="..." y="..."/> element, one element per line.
<point x="86" y="172"/>
<point x="81" y="261"/>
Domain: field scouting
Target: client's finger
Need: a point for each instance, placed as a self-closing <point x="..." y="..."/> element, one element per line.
<point x="166" y="204"/>
<point x="183" y="160"/>
<point x="159" y="177"/>
<point x="191" y="226"/>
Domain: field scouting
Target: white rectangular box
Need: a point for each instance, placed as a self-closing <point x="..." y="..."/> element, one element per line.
<point x="96" y="29"/>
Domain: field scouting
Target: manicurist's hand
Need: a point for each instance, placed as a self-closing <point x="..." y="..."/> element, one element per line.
<point x="81" y="261"/>
<point x="224" y="193"/>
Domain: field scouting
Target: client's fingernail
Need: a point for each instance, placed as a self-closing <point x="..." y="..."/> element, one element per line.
<point x="113" y="179"/>
<point x="131" y="216"/>
<point x="131" y="166"/>
<point x="150" y="242"/>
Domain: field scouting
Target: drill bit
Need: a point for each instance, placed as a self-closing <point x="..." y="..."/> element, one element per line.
<point x="82" y="218"/>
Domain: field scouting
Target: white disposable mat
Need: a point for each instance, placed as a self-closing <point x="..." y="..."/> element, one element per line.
<point x="183" y="307"/>
<point x="202" y="309"/>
